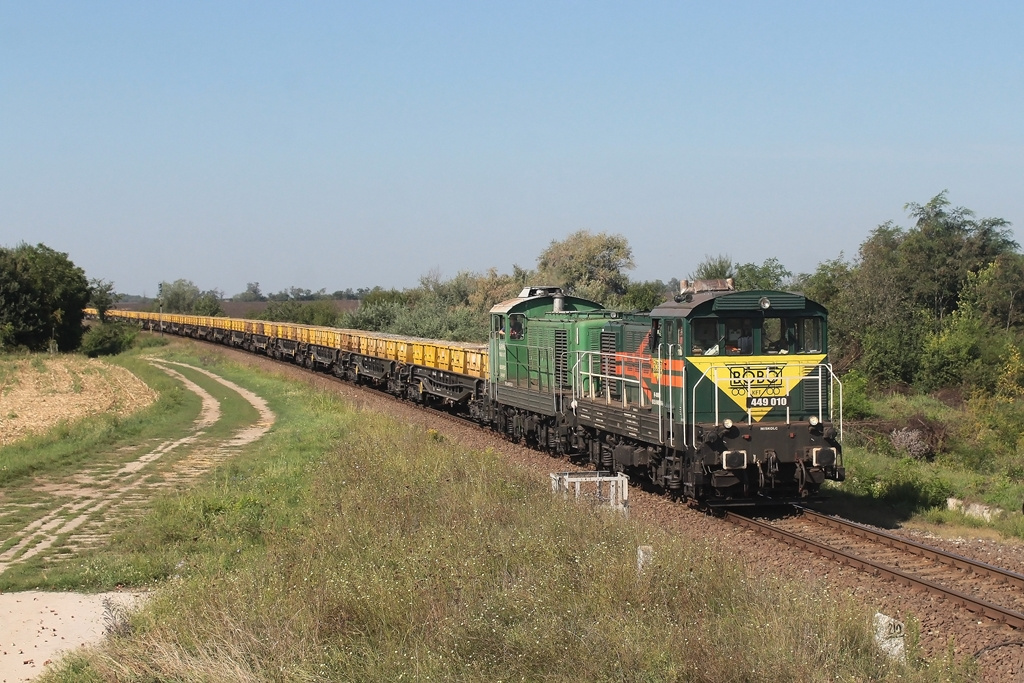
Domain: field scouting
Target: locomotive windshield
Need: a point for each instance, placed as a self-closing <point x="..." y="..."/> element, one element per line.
<point x="756" y="336"/>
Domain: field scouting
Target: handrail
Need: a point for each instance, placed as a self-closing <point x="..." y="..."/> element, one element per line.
<point x="712" y="374"/>
<point x="619" y="361"/>
<point x="661" y="408"/>
<point x="539" y="359"/>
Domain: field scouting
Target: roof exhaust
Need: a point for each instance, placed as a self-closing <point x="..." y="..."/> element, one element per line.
<point x="558" y="301"/>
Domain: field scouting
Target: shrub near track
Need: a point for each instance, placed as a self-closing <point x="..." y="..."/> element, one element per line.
<point x="345" y="546"/>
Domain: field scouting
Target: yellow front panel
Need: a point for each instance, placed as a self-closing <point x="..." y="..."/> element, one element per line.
<point x="458" y="360"/>
<point x="417" y="353"/>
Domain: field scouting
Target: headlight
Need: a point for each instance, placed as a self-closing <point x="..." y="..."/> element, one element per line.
<point x="813" y="420"/>
<point x="727" y="423"/>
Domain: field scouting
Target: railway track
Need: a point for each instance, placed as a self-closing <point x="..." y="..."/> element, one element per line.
<point x="981" y="588"/>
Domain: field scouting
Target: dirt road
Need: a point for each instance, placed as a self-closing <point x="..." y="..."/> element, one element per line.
<point x="70" y="514"/>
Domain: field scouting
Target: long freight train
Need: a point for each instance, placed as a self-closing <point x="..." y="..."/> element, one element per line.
<point x="719" y="396"/>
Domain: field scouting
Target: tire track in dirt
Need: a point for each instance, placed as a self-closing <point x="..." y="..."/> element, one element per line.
<point x="85" y="504"/>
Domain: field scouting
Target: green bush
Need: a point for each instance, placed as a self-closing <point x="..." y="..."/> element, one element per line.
<point x="149" y="341"/>
<point x="320" y="312"/>
<point x="856" y="405"/>
<point x="905" y="483"/>
<point x="892" y="352"/>
<point x="965" y="353"/>
<point x="429" y="316"/>
<point x="107" y="339"/>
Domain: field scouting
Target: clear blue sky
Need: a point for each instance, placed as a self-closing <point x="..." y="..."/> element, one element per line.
<point x="343" y="145"/>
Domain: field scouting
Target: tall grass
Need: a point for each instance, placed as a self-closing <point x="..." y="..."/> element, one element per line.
<point x="348" y="547"/>
<point x="977" y="456"/>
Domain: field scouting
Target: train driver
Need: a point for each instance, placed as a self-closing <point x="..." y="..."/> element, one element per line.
<point x="517" y="328"/>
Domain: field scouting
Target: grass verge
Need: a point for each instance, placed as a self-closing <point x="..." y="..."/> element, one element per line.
<point x="344" y="546"/>
<point x="970" y="452"/>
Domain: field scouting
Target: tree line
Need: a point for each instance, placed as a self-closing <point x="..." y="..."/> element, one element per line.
<point x="935" y="304"/>
<point x="939" y="303"/>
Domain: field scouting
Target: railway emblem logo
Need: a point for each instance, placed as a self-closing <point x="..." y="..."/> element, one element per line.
<point x="757" y="384"/>
<point x="756" y="380"/>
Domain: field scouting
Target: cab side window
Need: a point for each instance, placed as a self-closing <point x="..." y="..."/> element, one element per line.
<point x="809" y="336"/>
<point x="704" y="338"/>
<point x="517" y="327"/>
<point x="773" y="336"/>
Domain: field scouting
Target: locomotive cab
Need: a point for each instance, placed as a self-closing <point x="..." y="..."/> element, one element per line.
<point x="762" y="403"/>
<point x="532" y="339"/>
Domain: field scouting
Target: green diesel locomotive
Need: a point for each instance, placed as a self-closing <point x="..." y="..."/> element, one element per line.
<point x="719" y="396"/>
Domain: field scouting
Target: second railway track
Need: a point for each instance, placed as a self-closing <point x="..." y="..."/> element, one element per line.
<point x="981" y="588"/>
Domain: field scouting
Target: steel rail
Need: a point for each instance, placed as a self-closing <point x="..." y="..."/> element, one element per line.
<point x="954" y="560"/>
<point x="978" y="606"/>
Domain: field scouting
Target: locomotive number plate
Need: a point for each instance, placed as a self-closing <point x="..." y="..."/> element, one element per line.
<point x="768" y="402"/>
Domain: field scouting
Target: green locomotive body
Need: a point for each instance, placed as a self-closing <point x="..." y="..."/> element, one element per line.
<point x="720" y="396"/>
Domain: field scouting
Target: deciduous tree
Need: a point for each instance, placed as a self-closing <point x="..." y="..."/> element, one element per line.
<point x="714" y="268"/>
<point x="43" y="295"/>
<point x="252" y="293"/>
<point x="102" y="297"/>
<point x="183" y="296"/>
<point x="769" y="275"/>
<point x="587" y="265"/>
